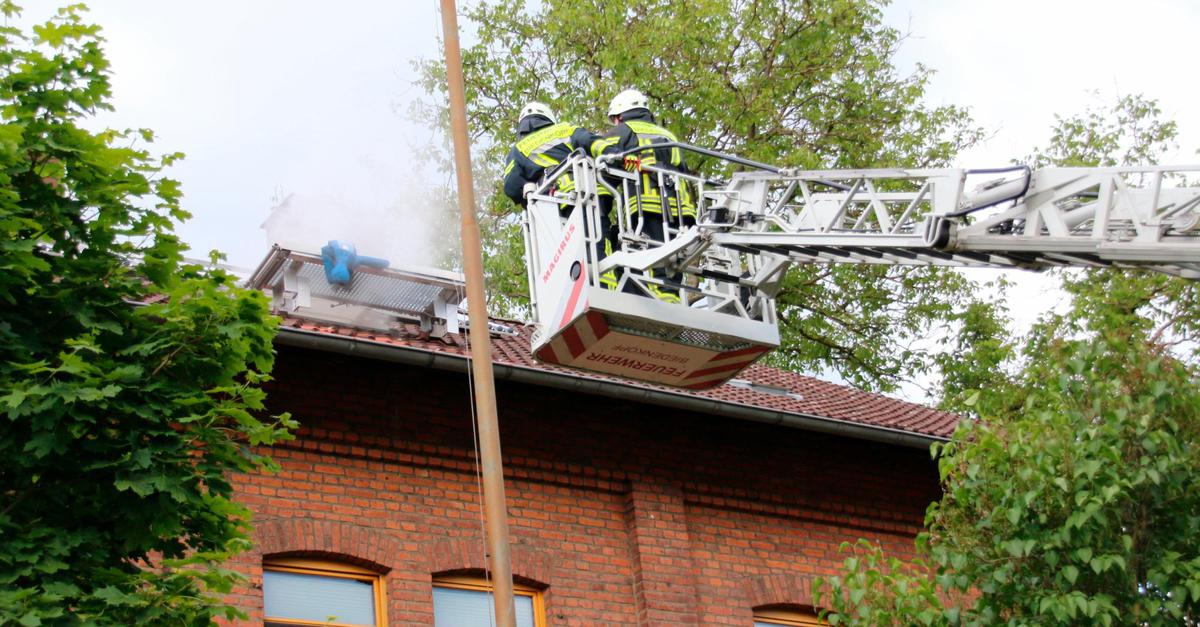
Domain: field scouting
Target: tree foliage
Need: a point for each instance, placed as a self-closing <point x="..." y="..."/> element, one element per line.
<point x="130" y="381"/>
<point x="1079" y="509"/>
<point x="1130" y="132"/>
<point x="1074" y="498"/>
<point x="805" y="84"/>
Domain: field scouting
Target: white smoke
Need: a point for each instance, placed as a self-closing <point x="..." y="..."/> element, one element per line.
<point x="398" y="217"/>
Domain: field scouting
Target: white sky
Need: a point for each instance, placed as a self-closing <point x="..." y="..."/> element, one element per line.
<point x="269" y="98"/>
<point x="1018" y="62"/>
<point x="272" y="97"/>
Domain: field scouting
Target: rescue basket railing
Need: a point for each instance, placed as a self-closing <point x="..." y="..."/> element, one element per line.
<point x="718" y="279"/>
<point x="681" y="264"/>
<point x="613" y="294"/>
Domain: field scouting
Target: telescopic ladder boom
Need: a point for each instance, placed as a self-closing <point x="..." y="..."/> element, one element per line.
<point x="1144" y="216"/>
<point x="694" y="307"/>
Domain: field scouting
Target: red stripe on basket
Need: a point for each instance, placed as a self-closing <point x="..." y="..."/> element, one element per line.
<point x="576" y="290"/>
<point x="574" y="343"/>
<point x="546" y="353"/>
<point x="599" y="325"/>
<point x="737" y="365"/>
<point x="705" y="385"/>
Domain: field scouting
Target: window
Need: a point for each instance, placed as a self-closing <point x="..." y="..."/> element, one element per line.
<point x="311" y="592"/>
<point x="467" y="602"/>
<point x="788" y="617"/>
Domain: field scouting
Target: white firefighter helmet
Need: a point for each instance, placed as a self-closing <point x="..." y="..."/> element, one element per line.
<point x="627" y="101"/>
<point x="536" y="108"/>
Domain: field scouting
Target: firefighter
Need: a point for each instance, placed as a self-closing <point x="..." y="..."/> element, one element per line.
<point x="633" y="126"/>
<point x="542" y="144"/>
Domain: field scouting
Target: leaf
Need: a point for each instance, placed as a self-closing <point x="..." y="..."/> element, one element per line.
<point x="140" y="487"/>
<point x="14" y="398"/>
<point x="1014" y="547"/>
<point x="114" y="596"/>
<point x="43" y="443"/>
<point x="1088" y="468"/>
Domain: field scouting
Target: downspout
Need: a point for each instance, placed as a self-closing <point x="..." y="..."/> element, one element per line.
<point x="368" y="349"/>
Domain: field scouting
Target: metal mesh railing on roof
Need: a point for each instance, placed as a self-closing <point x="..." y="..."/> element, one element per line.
<point x="384" y="292"/>
<point x="399" y="290"/>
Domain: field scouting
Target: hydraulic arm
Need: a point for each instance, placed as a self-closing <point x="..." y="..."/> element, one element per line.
<point x="1144" y="216"/>
<point x="724" y="270"/>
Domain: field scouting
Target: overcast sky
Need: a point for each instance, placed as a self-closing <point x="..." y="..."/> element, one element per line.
<point x="303" y="98"/>
<point x="1016" y="63"/>
<point x="305" y="101"/>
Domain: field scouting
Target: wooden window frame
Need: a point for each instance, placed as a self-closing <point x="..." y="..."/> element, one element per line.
<point x="791" y="618"/>
<point x="327" y="568"/>
<point x="479" y="584"/>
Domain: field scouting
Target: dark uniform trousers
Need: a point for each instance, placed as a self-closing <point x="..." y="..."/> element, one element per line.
<point x="647" y="200"/>
<point x="537" y="154"/>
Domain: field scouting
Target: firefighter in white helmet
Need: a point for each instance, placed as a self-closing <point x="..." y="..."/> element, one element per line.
<point x="542" y="143"/>
<point x="633" y="126"/>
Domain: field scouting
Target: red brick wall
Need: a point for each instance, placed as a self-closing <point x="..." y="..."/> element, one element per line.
<point x="625" y="514"/>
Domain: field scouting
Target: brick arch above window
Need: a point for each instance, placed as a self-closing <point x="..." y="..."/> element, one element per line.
<point x="464" y="556"/>
<point x="327" y="540"/>
<point x="779" y="590"/>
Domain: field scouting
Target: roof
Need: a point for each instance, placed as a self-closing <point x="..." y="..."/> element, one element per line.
<point x="759" y="387"/>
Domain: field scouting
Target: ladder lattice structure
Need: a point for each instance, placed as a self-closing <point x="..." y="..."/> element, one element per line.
<point x="722" y="270"/>
<point x="1146" y="217"/>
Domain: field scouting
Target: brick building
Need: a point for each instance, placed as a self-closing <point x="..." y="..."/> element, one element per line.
<point x="629" y="504"/>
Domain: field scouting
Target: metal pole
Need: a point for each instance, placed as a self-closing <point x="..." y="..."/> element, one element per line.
<point x="481" y="350"/>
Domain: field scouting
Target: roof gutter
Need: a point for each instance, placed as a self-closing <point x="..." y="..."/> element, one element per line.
<point x="368" y="349"/>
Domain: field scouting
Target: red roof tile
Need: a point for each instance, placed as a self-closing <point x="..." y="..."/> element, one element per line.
<point x="808" y="396"/>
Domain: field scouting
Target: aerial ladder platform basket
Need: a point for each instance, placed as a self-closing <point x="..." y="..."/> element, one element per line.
<point x="711" y="334"/>
<point x="693" y="308"/>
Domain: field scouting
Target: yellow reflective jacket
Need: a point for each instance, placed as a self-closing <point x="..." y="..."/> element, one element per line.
<point x="539" y="151"/>
<point x="640" y="131"/>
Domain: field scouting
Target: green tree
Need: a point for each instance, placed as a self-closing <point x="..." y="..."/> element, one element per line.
<point x="1130" y="132"/>
<point x="1074" y="499"/>
<point x="130" y="381"/>
<point x="804" y="84"/>
<point x="1081" y="508"/>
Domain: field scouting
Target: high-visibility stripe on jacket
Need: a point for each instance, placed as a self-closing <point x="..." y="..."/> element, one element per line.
<point x="540" y="151"/>
<point x="632" y="133"/>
